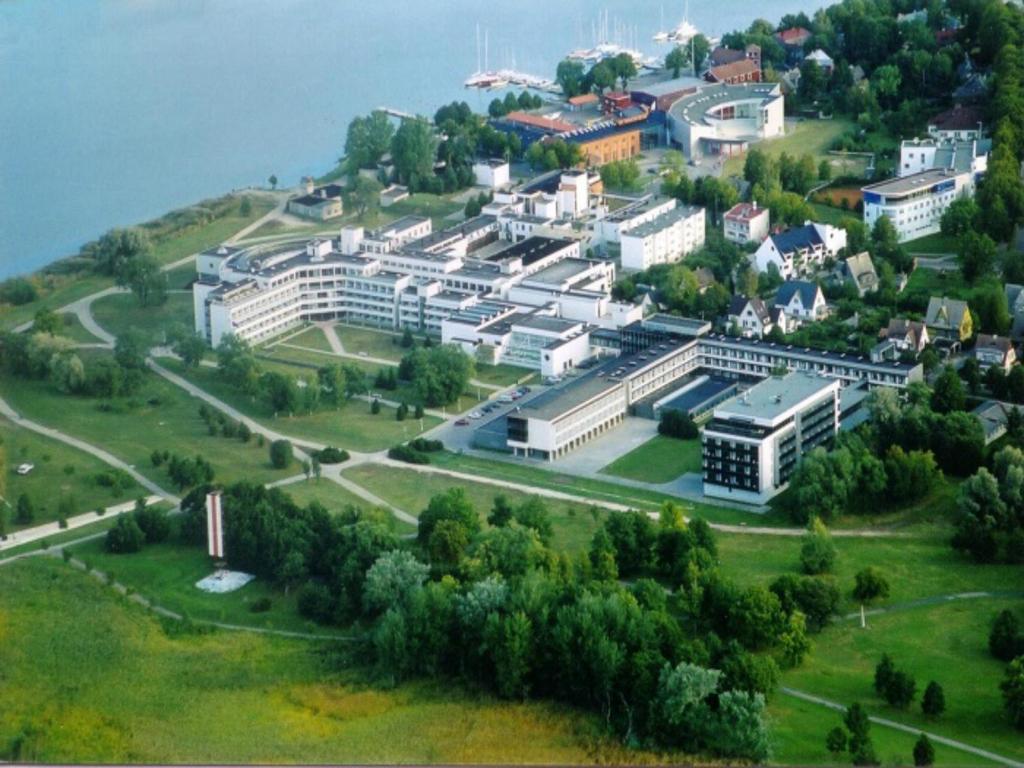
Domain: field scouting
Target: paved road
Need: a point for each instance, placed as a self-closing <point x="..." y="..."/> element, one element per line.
<point x="885" y="722"/>
<point x="28" y="535"/>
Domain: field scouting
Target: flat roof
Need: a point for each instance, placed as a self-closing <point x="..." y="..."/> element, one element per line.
<point x="775" y="396"/>
<point x="715" y="95"/>
<point x="668" y="87"/>
<point x="562" y="271"/>
<point x="906" y="184"/>
<point x="663" y="221"/>
<point x="547" y="323"/>
<point x="533" y="249"/>
<point x="563" y="398"/>
<point x="811" y="353"/>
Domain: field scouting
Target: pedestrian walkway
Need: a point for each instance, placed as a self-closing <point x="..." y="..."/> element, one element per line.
<point x="38" y="532"/>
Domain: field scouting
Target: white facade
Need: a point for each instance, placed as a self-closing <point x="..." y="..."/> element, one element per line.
<point x="746" y="223"/>
<point x="609" y="228"/>
<point x="663" y="240"/>
<point x="915" y="204"/>
<point x="726" y="119"/>
<point x="491" y="173"/>
<point x="753" y="443"/>
<point x="800" y="251"/>
<point x="917" y="155"/>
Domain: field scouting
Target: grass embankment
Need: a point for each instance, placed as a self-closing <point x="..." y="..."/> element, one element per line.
<point x="352" y="426"/>
<point x="122" y="312"/>
<point x="573" y="524"/>
<point x="93" y="678"/>
<point x="937" y="243"/>
<point x="813" y="137"/>
<point x="160" y="416"/>
<point x="176" y="235"/>
<point x="60" y="472"/>
<point x="660" y="460"/>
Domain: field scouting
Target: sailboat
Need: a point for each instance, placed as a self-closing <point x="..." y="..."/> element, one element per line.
<point x="682" y="34"/>
<point x="483" y="78"/>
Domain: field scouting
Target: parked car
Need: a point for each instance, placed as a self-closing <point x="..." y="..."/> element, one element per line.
<point x="24" y="469"/>
<point x="476" y="415"/>
<point x="461" y="422"/>
<point x="505" y="399"/>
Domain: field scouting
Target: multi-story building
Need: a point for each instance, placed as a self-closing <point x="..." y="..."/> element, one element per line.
<point x="754" y="442"/>
<point x="915" y="204"/>
<point x="663" y="240"/>
<point x="969" y="155"/>
<point x="961" y="123"/>
<point x="726" y="119"/>
<point x="320" y="203"/>
<point x="800" y="251"/>
<point x="492" y="174"/>
<point x="609" y="228"/>
<point x="746" y="223"/>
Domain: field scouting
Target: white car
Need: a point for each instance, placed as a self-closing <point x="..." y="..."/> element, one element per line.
<point x="24" y="469"/>
<point x="476" y="415"/>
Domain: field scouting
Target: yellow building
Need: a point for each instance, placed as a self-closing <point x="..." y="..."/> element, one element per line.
<point x="610" y="148"/>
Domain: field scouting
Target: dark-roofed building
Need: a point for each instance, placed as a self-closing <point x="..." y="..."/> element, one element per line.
<point x="961" y="123"/>
<point x="800" y="251"/>
<point x="949" y="319"/>
<point x="750" y="316"/>
<point x="801" y="300"/>
<point x="320" y="203"/>
<point x="906" y="335"/>
<point x="860" y="271"/>
<point x="995" y="351"/>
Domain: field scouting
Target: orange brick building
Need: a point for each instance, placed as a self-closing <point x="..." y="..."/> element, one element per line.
<point x="611" y="147"/>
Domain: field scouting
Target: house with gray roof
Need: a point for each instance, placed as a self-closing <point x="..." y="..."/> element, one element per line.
<point x="860" y="270"/>
<point x="949" y="319"/>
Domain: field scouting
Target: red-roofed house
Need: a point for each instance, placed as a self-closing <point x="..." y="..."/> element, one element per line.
<point x="576" y="103"/>
<point x="552" y="125"/>
<point x="793" y="37"/>
<point x="743" y="71"/>
<point x="745" y="223"/>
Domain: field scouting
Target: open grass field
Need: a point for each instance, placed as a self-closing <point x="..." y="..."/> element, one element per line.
<point x="167" y="573"/>
<point x="216" y="232"/>
<point x="121" y="312"/>
<point x="660" y="460"/>
<point x="814" y="137"/>
<point x="937" y="243"/>
<point x="947" y="643"/>
<point x="181" y="278"/>
<point x="160" y="416"/>
<point x="435" y="207"/>
<point x="373" y="343"/>
<point x="573" y="524"/>
<point x="352" y="427"/>
<point x="74" y="330"/>
<point x="60" y="471"/>
<point x="93" y="678"/>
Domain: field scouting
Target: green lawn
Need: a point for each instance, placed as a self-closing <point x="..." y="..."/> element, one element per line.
<point x="352" y="427"/>
<point x="160" y="416"/>
<point x="574" y="524"/>
<point x="947" y="643"/>
<point x="814" y="137"/>
<point x="915" y="567"/>
<point x="167" y="573"/>
<point x="436" y="207"/>
<point x="601" y="490"/>
<point x="312" y="337"/>
<point x="660" y="460"/>
<point x="335" y="499"/>
<point x="827" y="214"/>
<point x="55" y="291"/>
<point x="373" y="343"/>
<point x="208" y="235"/>
<point x="121" y="312"/>
<point x="181" y="278"/>
<point x="937" y="243"/>
<point x="74" y="330"/>
<point x="93" y="678"/>
<point x="60" y="471"/>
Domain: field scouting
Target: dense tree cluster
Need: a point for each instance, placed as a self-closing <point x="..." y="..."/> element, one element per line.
<point x="574" y="79"/>
<point x="147" y="524"/>
<point x="501" y="107"/>
<point x="438" y="374"/>
<point x="553" y="154"/>
<point x="990" y="526"/>
<point x="677" y="424"/>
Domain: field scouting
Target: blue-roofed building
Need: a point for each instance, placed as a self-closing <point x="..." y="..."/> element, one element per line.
<point x="801" y="300"/>
<point x="800" y="251"/>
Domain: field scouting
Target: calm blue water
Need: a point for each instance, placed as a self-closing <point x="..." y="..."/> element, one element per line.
<point x="115" y="111"/>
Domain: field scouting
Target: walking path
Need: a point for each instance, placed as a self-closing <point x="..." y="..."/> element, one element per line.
<point x="926" y="602"/>
<point x="99" y="453"/>
<point x="28" y="535"/>
<point x="269" y="216"/>
<point x="332" y="338"/>
<point x="885" y="722"/>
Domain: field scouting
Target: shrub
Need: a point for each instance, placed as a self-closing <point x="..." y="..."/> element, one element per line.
<point x="677" y="424"/>
<point x="331" y="455"/>
<point x="933" y="702"/>
<point x="375" y="406"/>
<point x="426" y="446"/>
<point x="817" y="552"/>
<point x="407" y="454"/>
<point x="262" y="605"/>
<point x="1005" y="641"/>
<point x="125" y="537"/>
<point x="281" y="454"/>
<point x="153" y="522"/>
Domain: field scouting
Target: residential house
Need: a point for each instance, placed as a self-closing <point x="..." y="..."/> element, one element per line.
<point x="822" y="59"/>
<point x="1015" y="302"/>
<point x="320" y="203"/>
<point x="705" y="279"/>
<point x="751" y="316"/>
<point x="949" y="319"/>
<point x="860" y="270"/>
<point x="793" y="40"/>
<point x="961" y="123"/>
<point x="800" y="251"/>
<point x="994" y="350"/>
<point x="801" y="300"/>
<point x="745" y="223"/>
<point x="907" y="335"/>
<point x="720" y="55"/>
